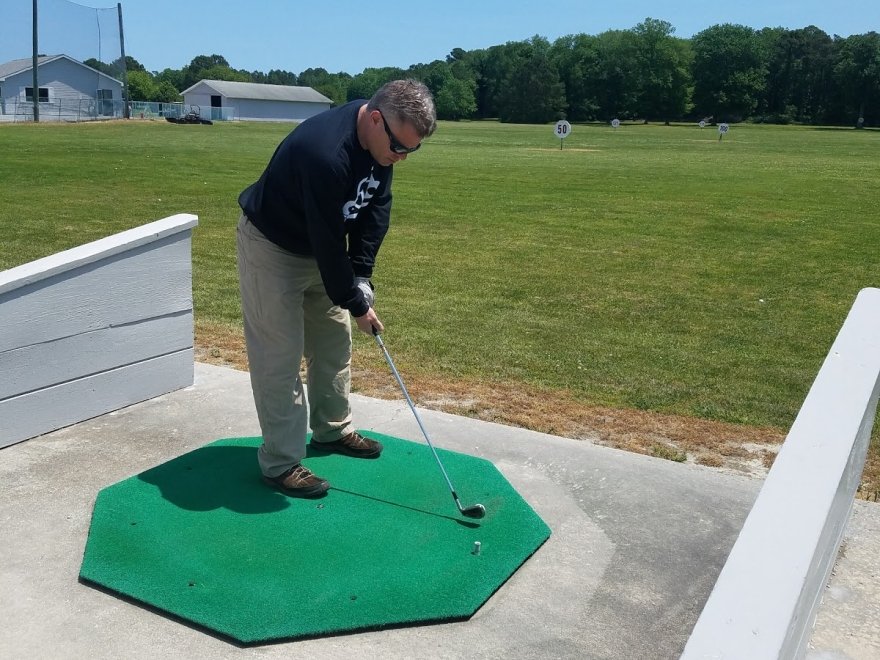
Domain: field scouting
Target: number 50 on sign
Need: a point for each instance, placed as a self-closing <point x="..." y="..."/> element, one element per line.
<point x="562" y="130"/>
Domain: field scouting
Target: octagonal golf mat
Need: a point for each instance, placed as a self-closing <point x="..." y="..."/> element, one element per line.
<point x="202" y="538"/>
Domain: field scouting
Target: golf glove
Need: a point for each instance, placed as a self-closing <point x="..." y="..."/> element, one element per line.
<point x="366" y="288"/>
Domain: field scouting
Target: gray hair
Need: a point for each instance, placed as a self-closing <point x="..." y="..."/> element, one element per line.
<point x="407" y="101"/>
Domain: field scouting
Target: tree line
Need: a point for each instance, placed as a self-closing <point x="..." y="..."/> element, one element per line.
<point x="726" y="72"/>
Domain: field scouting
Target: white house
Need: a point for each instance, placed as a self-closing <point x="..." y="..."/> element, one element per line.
<point x="68" y="90"/>
<point x="254" y="101"/>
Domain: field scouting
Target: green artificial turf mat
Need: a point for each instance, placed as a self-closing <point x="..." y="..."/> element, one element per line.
<point x="204" y="539"/>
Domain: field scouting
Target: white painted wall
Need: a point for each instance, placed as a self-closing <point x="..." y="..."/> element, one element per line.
<point x="253" y="110"/>
<point x="257" y="110"/>
<point x="201" y="100"/>
<point x="96" y="328"/>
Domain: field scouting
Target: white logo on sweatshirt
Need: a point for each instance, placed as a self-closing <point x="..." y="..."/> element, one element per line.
<point x="365" y="190"/>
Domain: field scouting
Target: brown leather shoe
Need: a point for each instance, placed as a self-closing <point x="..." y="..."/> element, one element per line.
<point x="298" y="481"/>
<point x="354" y="444"/>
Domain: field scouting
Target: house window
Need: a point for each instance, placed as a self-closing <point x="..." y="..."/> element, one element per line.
<point x="29" y="94"/>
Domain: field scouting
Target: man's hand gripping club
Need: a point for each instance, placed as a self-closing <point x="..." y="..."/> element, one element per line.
<point x="369" y="321"/>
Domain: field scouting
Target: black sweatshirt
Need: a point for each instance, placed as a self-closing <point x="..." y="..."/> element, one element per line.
<point x="322" y="195"/>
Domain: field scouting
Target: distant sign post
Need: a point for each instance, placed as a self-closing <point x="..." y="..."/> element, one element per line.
<point x="615" y="123"/>
<point x="562" y="131"/>
<point x="722" y="129"/>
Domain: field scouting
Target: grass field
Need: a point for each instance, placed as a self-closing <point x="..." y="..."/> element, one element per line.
<point x="650" y="275"/>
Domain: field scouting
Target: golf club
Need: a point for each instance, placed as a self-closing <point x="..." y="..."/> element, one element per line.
<point x="475" y="511"/>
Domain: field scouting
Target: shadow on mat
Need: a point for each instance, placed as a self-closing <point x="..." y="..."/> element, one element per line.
<point x="216" y="477"/>
<point x="228" y="477"/>
<point x="463" y="523"/>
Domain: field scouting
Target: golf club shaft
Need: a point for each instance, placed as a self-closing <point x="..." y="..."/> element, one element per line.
<point x="417" y="416"/>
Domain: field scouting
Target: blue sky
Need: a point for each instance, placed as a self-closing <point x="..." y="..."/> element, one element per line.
<point x="349" y="36"/>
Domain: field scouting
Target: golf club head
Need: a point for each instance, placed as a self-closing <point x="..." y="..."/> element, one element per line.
<point x="475" y="511"/>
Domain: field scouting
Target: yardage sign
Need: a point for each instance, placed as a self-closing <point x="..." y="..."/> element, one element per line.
<point x="723" y="128"/>
<point x="562" y="129"/>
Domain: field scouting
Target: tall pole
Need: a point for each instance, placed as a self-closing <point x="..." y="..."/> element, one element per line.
<point x="125" y="99"/>
<point x="36" y="80"/>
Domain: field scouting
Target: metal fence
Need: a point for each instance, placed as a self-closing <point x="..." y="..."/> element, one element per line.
<point x="152" y="110"/>
<point x="73" y="110"/>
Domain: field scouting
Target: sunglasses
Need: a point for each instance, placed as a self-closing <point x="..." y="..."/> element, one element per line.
<point x="396" y="145"/>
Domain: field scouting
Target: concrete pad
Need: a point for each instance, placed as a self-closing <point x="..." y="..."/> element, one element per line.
<point x="848" y="623"/>
<point x="636" y="547"/>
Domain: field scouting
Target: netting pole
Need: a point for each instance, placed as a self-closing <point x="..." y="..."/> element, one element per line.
<point x="125" y="100"/>
<point x="36" y="80"/>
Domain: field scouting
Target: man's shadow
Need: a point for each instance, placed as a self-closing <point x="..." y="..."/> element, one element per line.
<point x="220" y="476"/>
<point x="214" y="477"/>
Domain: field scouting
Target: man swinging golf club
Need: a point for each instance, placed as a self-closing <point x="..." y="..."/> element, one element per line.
<point x="308" y="236"/>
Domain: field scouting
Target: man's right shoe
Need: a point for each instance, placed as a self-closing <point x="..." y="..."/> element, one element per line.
<point x="299" y="481"/>
<point x="353" y="444"/>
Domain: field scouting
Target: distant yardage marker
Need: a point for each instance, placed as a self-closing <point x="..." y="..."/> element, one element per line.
<point x="562" y="131"/>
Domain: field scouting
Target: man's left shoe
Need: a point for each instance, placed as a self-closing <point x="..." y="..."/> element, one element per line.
<point x="353" y="444"/>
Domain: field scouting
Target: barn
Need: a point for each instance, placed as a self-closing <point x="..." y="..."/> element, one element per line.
<point x="68" y="90"/>
<point x="221" y="99"/>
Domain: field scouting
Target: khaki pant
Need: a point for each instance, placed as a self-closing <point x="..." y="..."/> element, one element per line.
<point x="288" y="316"/>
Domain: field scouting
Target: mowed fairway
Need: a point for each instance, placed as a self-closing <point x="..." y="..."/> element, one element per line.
<point x="650" y="267"/>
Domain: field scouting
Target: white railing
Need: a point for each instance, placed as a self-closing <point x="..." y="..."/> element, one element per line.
<point x="764" y="604"/>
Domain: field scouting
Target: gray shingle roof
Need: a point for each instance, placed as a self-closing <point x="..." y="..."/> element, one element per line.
<point x="26" y="64"/>
<point x="260" y="91"/>
<point x="17" y="66"/>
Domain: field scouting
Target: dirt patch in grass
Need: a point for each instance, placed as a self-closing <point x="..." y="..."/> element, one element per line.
<point x="564" y="149"/>
<point x="741" y="449"/>
<point x="735" y="448"/>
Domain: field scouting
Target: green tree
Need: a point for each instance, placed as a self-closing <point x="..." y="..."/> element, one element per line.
<point x="461" y="64"/>
<point x="729" y="71"/>
<point x="452" y="85"/>
<point x="166" y="93"/>
<point x="532" y="92"/>
<point x="332" y="85"/>
<point x="98" y="65"/>
<point x="799" y="66"/>
<point x="281" y="77"/>
<point x="197" y="68"/>
<point x="472" y="62"/>
<point x="663" y="70"/>
<point x="576" y="59"/>
<point x="456" y="100"/>
<point x="365" y="84"/>
<point x="492" y="66"/>
<point x="141" y="86"/>
<point x="173" y="77"/>
<point x="132" y="64"/>
<point x="200" y="62"/>
<point x="857" y="71"/>
<point x="616" y="76"/>
<point x="434" y="74"/>
<point x="223" y="73"/>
